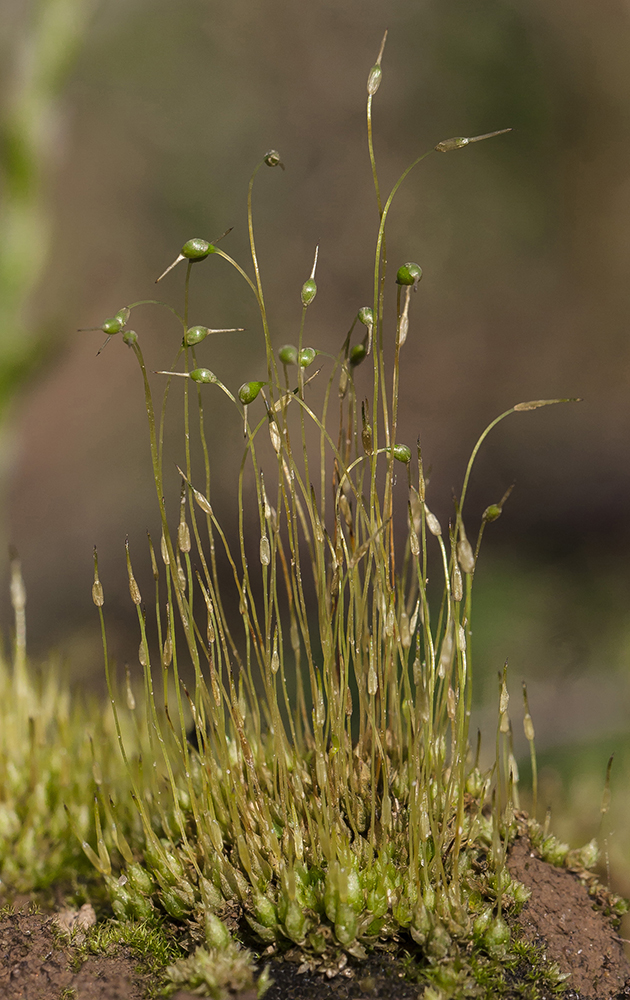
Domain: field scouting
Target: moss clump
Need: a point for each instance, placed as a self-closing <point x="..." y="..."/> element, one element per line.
<point x="55" y="750"/>
<point x="312" y="794"/>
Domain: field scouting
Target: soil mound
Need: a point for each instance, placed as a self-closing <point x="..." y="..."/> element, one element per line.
<point x="563" y="918"/>
<point x="36" y="964"/>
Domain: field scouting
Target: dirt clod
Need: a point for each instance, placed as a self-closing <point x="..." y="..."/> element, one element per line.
<point x="560" y="917"/>
<point x="35" y="965"/>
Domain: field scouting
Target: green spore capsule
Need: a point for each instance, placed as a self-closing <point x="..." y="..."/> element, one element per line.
<point x="248" y="391"/>
<point x="112" y="325"/>
<point x="196" y="249"/>
<point x="202" y="375"/>
<point x="358" y="353"/>
<point x="492" y="512"/>
<point x="366" y="316"/>
<point x="309" y="288"/>
<point x="193" y="250"/>
<point x="123" y="314"/>
<point x="309" y="291"/>
<point x="376" y="73"/>
<point x="130" y="337"/>
<point x="402" y="453"/>
<point x="272" y="159"/>
<point x="409" y="274"/>
<point x="195" y="334"/>
<point x="288" y="354"/>
<point x="374" y="79"/>
<point x="307" y="356"/>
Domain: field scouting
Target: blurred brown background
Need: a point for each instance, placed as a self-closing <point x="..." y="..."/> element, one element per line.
<point x="524" y="241"/>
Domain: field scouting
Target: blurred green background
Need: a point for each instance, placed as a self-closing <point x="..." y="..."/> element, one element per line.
<point x="130" y="126"/>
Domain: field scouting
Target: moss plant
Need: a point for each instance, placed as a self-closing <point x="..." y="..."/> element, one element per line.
<point x="55" y="751"/>
<point x="154" y="946"/>
<point x="331" y="803"/>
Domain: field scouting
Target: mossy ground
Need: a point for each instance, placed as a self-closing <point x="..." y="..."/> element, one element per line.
<point x="329" y="813"/>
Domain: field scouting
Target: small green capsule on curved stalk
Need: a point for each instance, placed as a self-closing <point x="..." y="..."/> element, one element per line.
<point x="193" y="250"/>
<point x="309" y="291"/>
<point x="203" y="375"/>
<point x="196" y="249"/>
<point x="123" y="314"/>
<point x="492" y="512"/>
<point x="112" y="326"/>
<point x="358" y="353"/>
<point x="495" y="510"/>
<point x="309" y="288"/>
<point x="248" y="391"/>
<point x="402" y="453"/>
<point x="195" y="334"/>
<point x="97" y="586"/>
<point x="288" y="354"/>
<point x="272" y="159"/>
<point x="374" y="79"/>
<point x="307" y="356"/>
<point x="130" y="337"/>
<point x="376" y="73"/>
<point x="366" y="316"/>
<point x="409" y="274"/>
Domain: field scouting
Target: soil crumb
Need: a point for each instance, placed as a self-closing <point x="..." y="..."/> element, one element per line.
<point x="561" y="917"/>
<point x="35" y="964"/>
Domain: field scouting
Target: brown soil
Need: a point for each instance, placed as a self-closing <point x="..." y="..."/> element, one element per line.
<point x="35" y="964"/>
<point x="560" y="916"/>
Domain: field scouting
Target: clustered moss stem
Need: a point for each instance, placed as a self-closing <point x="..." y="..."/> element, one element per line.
<point x="331" y="799"/>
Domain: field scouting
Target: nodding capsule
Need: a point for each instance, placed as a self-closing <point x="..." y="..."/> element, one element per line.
<point x="409" y="274"/>
<point x="193" y="251"/>
<point x="309" y="288"/>
<point x="248" y="391"/>
<point x="309" y="291"/>
<point x="307" y="356"/>
<point x="358" y="353"/>
<point x="272" y="159"/>
<point x="402" y="453"/>
<point x="203" y="375"/>
<point x="288" y="354"/>
<point x="196" y="249"/>
<point x="195" y="334"/>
